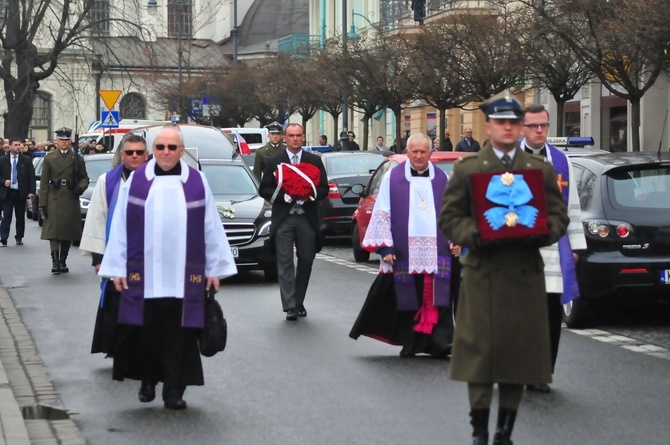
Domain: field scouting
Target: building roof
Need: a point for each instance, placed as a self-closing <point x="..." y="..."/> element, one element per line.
<point x="268" y="21"/>
<point x="132" y="52"/>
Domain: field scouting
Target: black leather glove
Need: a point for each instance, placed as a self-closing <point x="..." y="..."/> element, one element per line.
<point x="78" y="191"/>
<point x="43" y="211"/>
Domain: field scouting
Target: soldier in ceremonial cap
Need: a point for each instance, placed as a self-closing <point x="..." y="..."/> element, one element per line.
<point x="274" y="146"/>
<point x="63" y="180"/>
<point x="503" y="333"/>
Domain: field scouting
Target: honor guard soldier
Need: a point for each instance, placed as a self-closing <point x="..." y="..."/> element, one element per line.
<point x="273" y="147"/>
<point x="63" y="180"/>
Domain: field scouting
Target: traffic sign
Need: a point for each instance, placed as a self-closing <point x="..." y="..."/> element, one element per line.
<point x="109" y="119"/>
<point x="109" y="97"/>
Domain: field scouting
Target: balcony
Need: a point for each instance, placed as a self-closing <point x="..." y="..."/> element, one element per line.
<point x="398" y="14"/>
<point x="298" y="45"/>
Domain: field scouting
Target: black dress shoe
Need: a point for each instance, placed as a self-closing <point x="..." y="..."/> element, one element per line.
<point x="406" y="353"/>
<point x="3" y="241"/>
<point x="147" y="392"/>
<point x="540" y="387"/>
<point x="19" y="242"/>
<point x="175" y="404"/>
<point x="291" y="315"/>
<point x="302" y="312"/>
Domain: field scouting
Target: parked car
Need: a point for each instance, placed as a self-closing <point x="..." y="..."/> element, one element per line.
<point x="254" y="137"/>
<point x="96" y="165"/>
<point x="626" y="217"/>
<point x="361" y="217"/>
<point x="345" y="169"/>
<point x="244" y="214"/>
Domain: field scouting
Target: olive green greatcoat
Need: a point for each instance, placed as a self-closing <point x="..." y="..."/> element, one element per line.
<point x="263" y="154"/>
<point x="63" y="221"/>
<point x="502" y="333"/>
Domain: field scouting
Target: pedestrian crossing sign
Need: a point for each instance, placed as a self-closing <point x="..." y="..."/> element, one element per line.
<point x="109" y="119"/>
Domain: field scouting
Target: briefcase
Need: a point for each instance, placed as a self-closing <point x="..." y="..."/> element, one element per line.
<point x="509" y="205"/>
<point x="214" y="334"/>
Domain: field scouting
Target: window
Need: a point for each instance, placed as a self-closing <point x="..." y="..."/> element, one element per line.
<point x="99" y="17"/>
<point x="41" y="123"/>
<point x="180" y="18"/>
<point x="132" y="106"/>
<point x="585" y="186"/>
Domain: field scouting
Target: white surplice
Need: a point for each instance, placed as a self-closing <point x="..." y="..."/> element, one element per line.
<point x="165" y="236"/>
<point x="94" y="235"/>
<point x="422" y="224"/>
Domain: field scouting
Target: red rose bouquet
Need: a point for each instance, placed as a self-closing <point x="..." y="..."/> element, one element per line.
<point x="299" y="181"/>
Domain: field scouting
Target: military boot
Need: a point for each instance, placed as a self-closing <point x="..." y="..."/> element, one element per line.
<point x="479" y="419"/>
<point x="506" y="418"/>
<point x="55" y="263"/>
<point x="61" y="262"/>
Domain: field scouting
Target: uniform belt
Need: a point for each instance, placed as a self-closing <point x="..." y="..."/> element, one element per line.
<point x="58" y="181"/>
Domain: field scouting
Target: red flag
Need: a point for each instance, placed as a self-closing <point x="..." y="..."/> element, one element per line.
<point x="242" y="146"/>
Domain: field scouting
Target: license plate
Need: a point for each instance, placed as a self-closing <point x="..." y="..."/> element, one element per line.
<point x="665" y="276"/>
<point x="235" y="252"/>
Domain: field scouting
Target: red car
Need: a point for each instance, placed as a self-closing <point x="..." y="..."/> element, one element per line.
<point x="361" y="218"/>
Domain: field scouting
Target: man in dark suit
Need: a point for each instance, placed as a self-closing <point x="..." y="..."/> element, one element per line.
<point x="17" y="183"/>
<point x="468" y="143"/>
<point x="294" y="222"/>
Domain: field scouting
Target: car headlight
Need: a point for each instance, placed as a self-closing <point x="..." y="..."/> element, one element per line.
<point x="265" y="229"/>
<point x="84" y="203"/>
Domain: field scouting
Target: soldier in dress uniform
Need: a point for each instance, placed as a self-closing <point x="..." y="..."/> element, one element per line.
<point x="63" y="180"/>
<point x="273" y="147"/>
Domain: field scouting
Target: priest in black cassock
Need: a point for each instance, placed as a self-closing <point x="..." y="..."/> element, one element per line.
<point x="166" y="247"/>
<point x="409" y="302"/>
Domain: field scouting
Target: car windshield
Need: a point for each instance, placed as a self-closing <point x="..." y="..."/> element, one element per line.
<point x="640" y="188"/>
<point x="229" y="179"/>
<point x="355" y="164"/>
<point x="96" y="167"/>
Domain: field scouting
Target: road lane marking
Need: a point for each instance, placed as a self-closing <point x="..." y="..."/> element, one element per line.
<point x="627" y="343"/>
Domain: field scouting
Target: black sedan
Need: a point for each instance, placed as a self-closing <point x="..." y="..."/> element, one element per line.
<point x="625" y="200"/>
<point x="345" y="169"/>
<point x="244" y="214"/>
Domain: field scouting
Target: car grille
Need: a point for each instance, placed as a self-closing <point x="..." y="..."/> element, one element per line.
<point x="239" y="233"/>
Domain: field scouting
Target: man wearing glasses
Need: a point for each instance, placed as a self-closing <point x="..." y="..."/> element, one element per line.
<point x="559" y="258"/>
<point x="468" y="143"/>
<point x="94" y="237"/>
<point x="166" y="248"/>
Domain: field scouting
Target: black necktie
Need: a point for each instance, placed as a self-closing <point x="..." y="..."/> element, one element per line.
<point x="506" y="160"/>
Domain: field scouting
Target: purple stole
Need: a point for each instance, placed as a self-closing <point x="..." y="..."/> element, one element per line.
<point x="131" y="308"/>
<point x="112" y="185"/>
<point x="568" y="269"/>
<point x="404" y="281"/>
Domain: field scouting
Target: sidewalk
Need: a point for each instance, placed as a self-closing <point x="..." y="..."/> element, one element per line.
<point x="25" y="388"/>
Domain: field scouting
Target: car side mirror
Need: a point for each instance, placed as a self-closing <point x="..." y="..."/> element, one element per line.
<point x="357" y="189"/>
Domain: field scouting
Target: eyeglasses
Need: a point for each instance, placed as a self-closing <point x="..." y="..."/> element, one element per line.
<point x="161" y="147"/>
<point x="534" y="127"/>
<point x="136" y="152"/>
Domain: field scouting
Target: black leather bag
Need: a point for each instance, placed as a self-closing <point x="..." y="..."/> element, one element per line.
<point x="215" y="333"/>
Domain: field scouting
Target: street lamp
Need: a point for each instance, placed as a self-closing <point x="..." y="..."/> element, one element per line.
<point x="152" y="8"/>
<point x="353" y="35"/>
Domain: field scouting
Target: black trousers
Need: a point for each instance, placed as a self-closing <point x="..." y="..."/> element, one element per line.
<point x="555" y="319"/>
<point x="18" y="205"/>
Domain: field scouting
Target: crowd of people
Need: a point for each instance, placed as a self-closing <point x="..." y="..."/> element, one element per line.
<point x="438" y="237"/>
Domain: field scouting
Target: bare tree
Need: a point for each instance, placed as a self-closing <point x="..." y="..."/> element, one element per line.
<point x="331" y="70"/>
<point x="439" y="77"/>
<point x="380" y="71"/>
<point x="624" y="43"/>
<point x="35" y="34"/>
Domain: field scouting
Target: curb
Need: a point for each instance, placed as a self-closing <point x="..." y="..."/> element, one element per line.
<point x="26" y="388"/>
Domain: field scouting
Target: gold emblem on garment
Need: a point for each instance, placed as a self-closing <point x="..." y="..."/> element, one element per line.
<point x="422" y="206"/>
